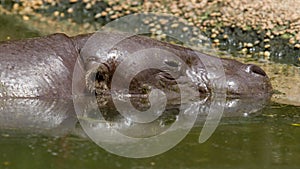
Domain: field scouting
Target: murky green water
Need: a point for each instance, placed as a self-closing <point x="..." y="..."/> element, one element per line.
<point x="270" y="139"/>
<point x="12" y="28"/>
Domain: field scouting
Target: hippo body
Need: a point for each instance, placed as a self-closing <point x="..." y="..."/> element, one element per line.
<point x="43" y="67"/>
<point x="36" y="77"/>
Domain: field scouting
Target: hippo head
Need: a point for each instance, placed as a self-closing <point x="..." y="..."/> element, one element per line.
<point x="242" y="80"/>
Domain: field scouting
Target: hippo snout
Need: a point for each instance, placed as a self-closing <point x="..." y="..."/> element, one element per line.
<point x="246" y="80"/>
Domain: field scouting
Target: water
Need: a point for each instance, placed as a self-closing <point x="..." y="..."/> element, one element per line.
<point x="13" y="28"/>
<point x="268" y="139"/>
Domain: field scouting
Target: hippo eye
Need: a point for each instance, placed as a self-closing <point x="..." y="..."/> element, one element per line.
<point x="171" y="63"/>
<point x="99" y="76"/>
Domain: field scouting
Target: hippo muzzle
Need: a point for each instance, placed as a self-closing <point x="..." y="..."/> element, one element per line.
<point x="245" y="80"/>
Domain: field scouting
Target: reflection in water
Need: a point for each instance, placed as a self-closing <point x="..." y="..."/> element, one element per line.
<point x="44" y="115"/>
<point x="246" y="134"/>
<point x="267" y="139"/>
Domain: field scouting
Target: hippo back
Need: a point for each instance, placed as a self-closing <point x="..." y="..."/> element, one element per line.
<point x="38" y="67"/>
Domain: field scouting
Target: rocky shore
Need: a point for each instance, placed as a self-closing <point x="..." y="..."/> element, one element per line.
<point x="265" y="30"/>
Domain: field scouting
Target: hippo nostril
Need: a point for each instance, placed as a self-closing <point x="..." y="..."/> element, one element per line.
<point x="255" y="69"/>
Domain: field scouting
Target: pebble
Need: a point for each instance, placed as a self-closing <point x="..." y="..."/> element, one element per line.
<point x="115" y="16"/>
<point x="297" y="45"/>
<point x="261" y="53"/>
<point x="146" y="21"/>
<point x="213" y="35"/>
<point x="267" y="54"/>
<point x="70" y="10"/>
<point x="27" y="10"/>
<point x="56" y="13"/>
<point x="292" y="41"/>
<point x="163" y="36"/>
<point x="267" y="46"/>
<point x="191" y="24"/>
<point x="157" y="26"/>
<point x="174" y="25"/>
<point x="88" y="6"/>
<point x="215" y="14"/>
<point x="152" y="30"/>
<point x="281" y="32"/>
<point x="98" y="15"/>
<point x="15" y="6"/>
<point x="163" y="21"/>
<point x="25" y="18"/>
<point x="244" y="50"/>
<point x="103" y="13"/>
<point x="216" y="40"/>
<point x="185" y="29"/>
<point x="249" y="45"/>
<point x="151" y="25"/>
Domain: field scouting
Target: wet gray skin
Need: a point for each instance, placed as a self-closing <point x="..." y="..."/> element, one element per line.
<point x="36" y="79"/>
<point x="43" y="67"/>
